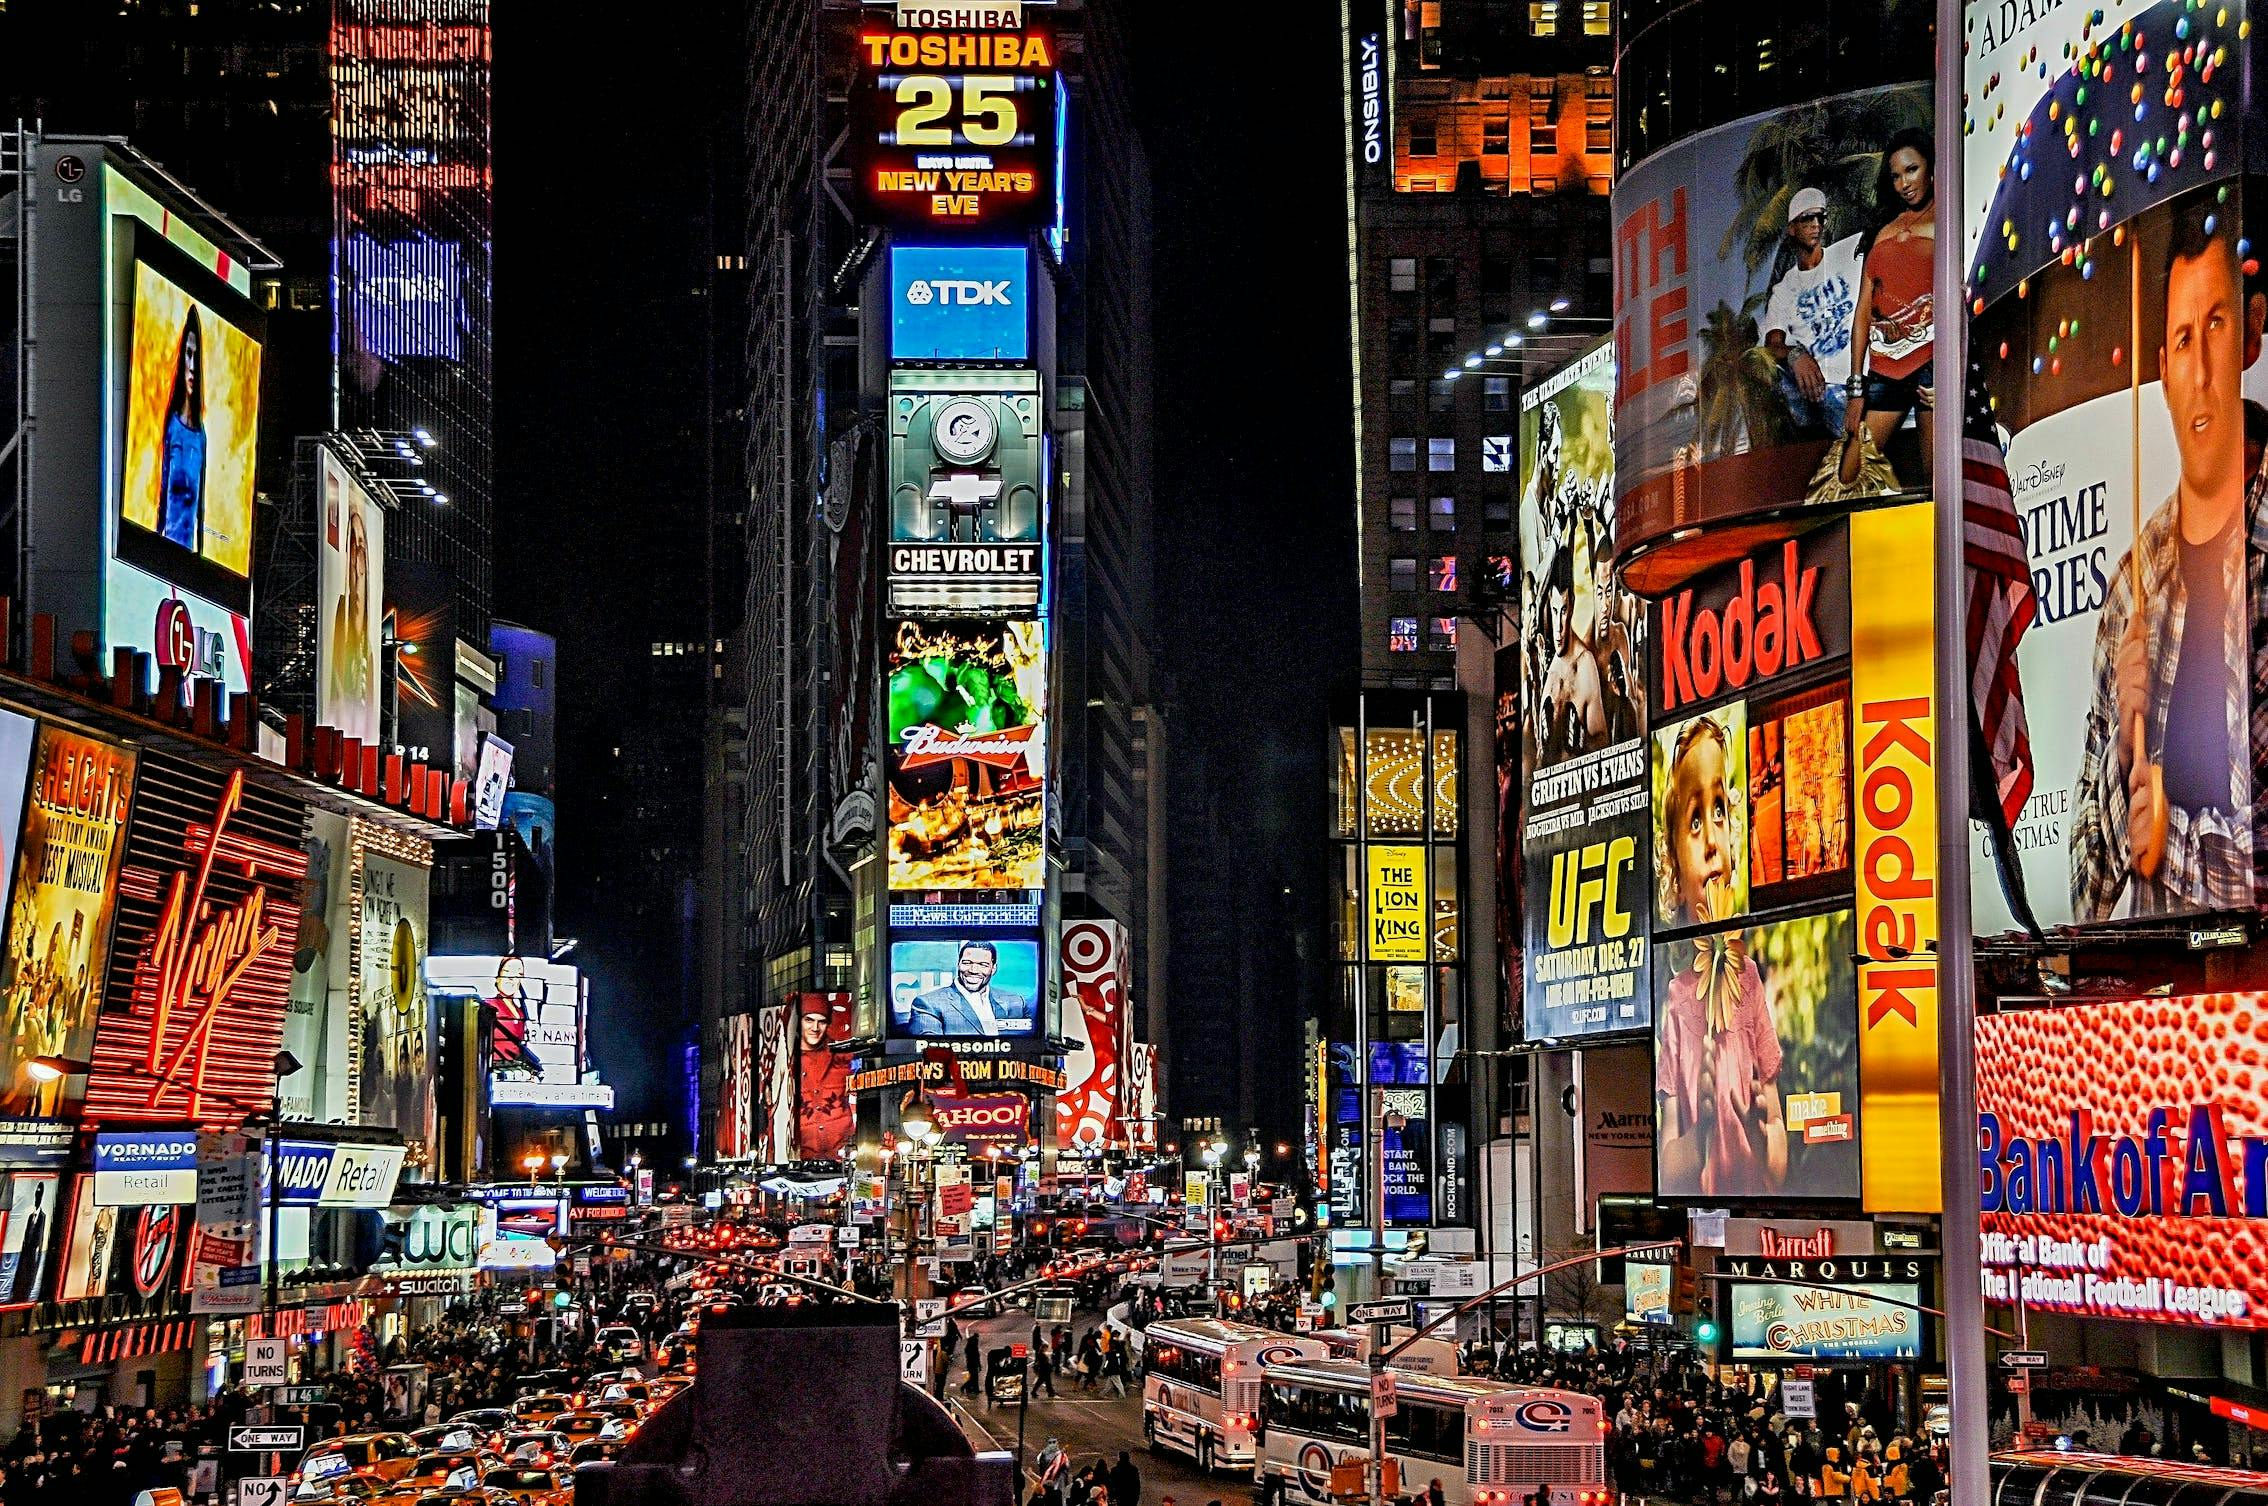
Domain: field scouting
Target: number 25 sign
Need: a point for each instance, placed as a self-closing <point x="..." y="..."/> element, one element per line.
<point x="955" y="131"/>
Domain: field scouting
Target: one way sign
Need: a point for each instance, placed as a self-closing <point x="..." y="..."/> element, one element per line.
<point x="269" y="1440"/>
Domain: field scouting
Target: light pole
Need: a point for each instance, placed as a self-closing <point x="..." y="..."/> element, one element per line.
<point x="1212" y="1153"/>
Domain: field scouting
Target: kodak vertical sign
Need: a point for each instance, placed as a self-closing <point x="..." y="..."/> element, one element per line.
<point x="1896" y="827"/>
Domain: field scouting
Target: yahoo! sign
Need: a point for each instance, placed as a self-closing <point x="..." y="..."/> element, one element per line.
<point x="987" y="1117"/>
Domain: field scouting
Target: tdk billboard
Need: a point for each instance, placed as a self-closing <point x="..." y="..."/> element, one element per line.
<point x="960" y="303"/>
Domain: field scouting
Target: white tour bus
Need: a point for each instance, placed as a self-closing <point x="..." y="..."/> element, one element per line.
<point x="1201" y="1385"/>
<point x="1487" y="1442"/>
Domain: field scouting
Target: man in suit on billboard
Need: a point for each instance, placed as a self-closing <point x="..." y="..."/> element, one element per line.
<point x="968" y="1005"/>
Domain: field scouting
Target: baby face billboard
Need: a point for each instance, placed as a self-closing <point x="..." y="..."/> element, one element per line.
<point x="1578" y="673"/>
<point x="2123" y="1159"/>
<point x="2116" y="332"/>
<point x="1774" y="327"/>
<point x="967" y="757"/>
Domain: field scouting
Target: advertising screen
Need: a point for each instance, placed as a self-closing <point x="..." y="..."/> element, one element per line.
<point x="1646" y="1293"/>
<point x="492" y="782"/>
<point x="59" y="909"/>
<point x="1740" y="254"/>
<point x="1756" y="1061"/>
<point x="539" y="1028"/>
<point x="27" y="1235"/>
<point x="736" y="1088"/>
<point x="774" y="1101"/>
<point x="967" y="757"/>
<point x="970" y="986"/>
<point x="968" y="492"/>
<point x="350" y="572"/>
<point x="1774" y="1321"/>
<point x="1579" y="670"/>
<point x="192" y="427"/>
<point x="954" y="130"/>
<point x="960" y="303"/>
<point x="825" y="1122"/>
<point x="1406" y="1153"/>
<point x="399" y="1031"/>
<point x="2123" y="1151"/>
<point x="515" y="1233"/>
<point x="409" y="295"/>
<point x="2115" y="321"/>
<point x="421" y="621"/>
<point x="1090" y="1113"/>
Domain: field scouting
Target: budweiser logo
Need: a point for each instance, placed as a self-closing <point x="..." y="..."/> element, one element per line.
<point x="1817" y="1245"/>
<point x="1001" y="750"/>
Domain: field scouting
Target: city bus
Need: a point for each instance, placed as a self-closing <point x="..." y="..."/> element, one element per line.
<point x="2052" y="1477"/>
<point x="1488" y="1443"/>
<point x="1201" y="1385"/>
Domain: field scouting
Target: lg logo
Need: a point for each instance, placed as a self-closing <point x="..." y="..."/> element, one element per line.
<point x="963" y="292"/>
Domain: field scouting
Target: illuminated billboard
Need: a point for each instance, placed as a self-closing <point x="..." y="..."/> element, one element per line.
<point x="736" y="1087"/>
<point x="396" y="1046"/>
<point x="2114" y="288"/>
<point x="1745" y="354"/>
<point x="1097" y="984"/>
<point x="1580" y="673"/>
<point x="2123" y="1159"/>
<point x="968" y="491"/>
<point x="539" y="1028"/>
<point x="1854" y="1321"/>
<point x="824" y="1119"/>
<point x="977" y="987"/>
<point x="960" y="303"/>
<point x="72" y="845"/>
<point x="192" y="426"/>
<point x="954" y="130"/>
<point x="409" y="295"/>
<point x="966" y="762"/>
<point x="212" y="874"/>
<point x="350" y="574"/>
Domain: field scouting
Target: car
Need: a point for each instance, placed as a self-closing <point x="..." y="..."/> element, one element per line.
<point x="629" y="1413"/>
<point x="541" y="1409"/>
<point x="532" y="1487"/>
<point x="620" y="1341"/>
<point x="341" y="1484"/>
<point x="582" y="1426"/>
<point x="451" y="1438"/>
<point x="539" y="1448"/>
<point x="384" y="1457"/>
<point x="593" y="1450"/>
<point x="442" y="1471"/>
<point x="464" y="1495"/>
<point x="663" y="1387"/>
<point x="487" y="1419"/>
<point x="637" y="1392"/>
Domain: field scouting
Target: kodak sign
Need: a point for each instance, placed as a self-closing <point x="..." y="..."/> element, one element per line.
<point x="1896" y="857"/>
<point x="1751" y="623"/>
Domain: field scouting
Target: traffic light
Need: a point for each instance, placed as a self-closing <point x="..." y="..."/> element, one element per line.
<point x="1685" y="1288"/>
<point x="562" y="1299"/>
<point x="1705" y="1305"/>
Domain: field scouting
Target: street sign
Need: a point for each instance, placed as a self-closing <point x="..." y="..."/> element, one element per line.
<point x="1019" y="1351"/>
<point x="2019" y="1383"/>
<point x="287" y="1439"/>
<point x="511" y="1309"/>
<point x="1385" y="1401"/>
<point x="929" y="1317"/>
<point x="1381" y="1312"/>
<point x="2024" y="1359"/>
<point x="262" y="1490"/>
<point x="913" y="1361"/>
<point x="266" y="1362"/>
<point x="1797" y="1398"/>
<point x="302" y="1396"/>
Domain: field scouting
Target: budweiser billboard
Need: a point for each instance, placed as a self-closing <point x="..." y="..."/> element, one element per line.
<point x="967" y="757"/>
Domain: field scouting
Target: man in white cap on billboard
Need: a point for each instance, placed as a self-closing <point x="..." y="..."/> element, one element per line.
<point x="1807" y="320"/>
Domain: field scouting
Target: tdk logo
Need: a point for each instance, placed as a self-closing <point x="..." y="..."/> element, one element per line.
<point x="964" y="292"/>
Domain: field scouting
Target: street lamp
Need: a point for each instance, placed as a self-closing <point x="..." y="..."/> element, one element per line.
<point x="917" y="1121"/>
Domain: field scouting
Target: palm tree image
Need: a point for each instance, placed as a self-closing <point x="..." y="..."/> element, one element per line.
<point x="1735" y="406"/>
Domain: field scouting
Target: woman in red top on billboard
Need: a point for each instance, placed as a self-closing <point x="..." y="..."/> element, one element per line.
<point x="1894" y="328"/>
<point x="513" y="1055"/>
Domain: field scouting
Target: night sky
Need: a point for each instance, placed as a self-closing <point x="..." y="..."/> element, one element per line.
<point x="601" y="169"/>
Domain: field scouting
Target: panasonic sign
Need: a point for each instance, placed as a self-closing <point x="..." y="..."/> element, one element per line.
<point x="960" y="303"/>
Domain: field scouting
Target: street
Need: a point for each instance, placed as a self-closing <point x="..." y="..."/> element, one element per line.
<point x="1092" y="1427"/>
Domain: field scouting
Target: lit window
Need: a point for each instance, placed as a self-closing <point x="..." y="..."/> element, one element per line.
<point x="1401" y="453"/>
<point x="1401" y="514"/>
<point x="1543" y="17"/>
<point x="1401" y="573"/>
<point x="1442" y="574"/>
<point x="1441" y="633"/>
<point x="1500" y="571"/>
<point x="1401" y="635"/>
<point x="1402" y="390"/>
<point x="1496" y="454"/>
<point x="1595" y="22"/>
<point x="1543" y="128"/>
<point x="1444" y="512"/>
<point x="1496" y="136"/>
<point x="1496" y="394"/>
<point x="1401" y="274"/>
<point x="1440" y="395"/>
<point x="1441" y="454"/>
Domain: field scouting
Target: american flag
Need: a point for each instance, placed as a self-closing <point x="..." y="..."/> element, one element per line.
<point x="2001" y="608"/>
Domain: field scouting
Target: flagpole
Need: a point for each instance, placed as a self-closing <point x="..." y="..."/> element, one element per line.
<point x="1969" y="1382"/>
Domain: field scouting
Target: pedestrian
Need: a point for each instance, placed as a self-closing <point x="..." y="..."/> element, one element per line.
<point x="1054" y="1467"/>
<point x="1043" y="1369"/>
<point x="969" y="1362"/>
<point x="1125" y="1481"/>
<point x="1115" y="1370"/>
<point x="1433" y="1493"/>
